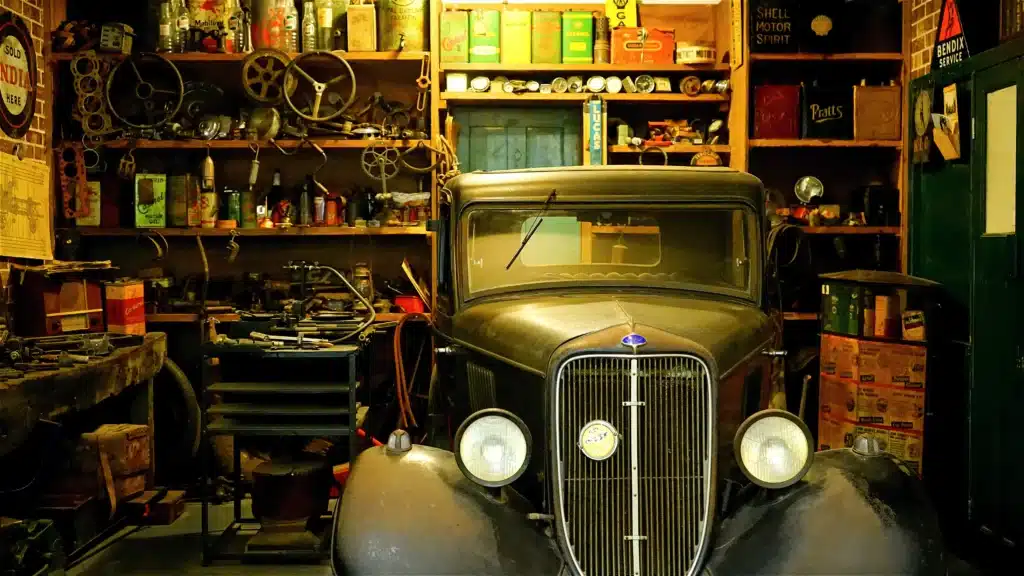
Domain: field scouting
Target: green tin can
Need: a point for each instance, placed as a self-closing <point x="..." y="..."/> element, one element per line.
<point x="455" y="36"/>
<point x="396" y="18"/>
<point x="485" y="36"/>
<point x="577" y="37"/>
<point x="547" y="37"/>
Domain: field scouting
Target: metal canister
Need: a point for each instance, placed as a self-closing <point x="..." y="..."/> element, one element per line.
<point x="208" y="209"/>
<point x="178" y="187"/>
<point x="232" y="208"/>
<point x="319" y="210"/>
<point x="331" y="212"/>
<point x="401" y="21"/>
<point x="248" y="219"/>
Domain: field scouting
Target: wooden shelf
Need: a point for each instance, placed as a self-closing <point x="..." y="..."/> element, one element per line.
<point x="812" y="143"/>
<point x="326" y="144"/>
<point x="674" y="149"/>
<point x="261" y="232"/>
<point x="186" y="318"/>
<point x="502" y="98"/>
<point x="217" y="57"/>
<point x="538" y="68"/>
<point x="641" y="230"/>
<point x="799" y="316"/>
<point x="860" y="230"/>
<point x="848" y="57"/>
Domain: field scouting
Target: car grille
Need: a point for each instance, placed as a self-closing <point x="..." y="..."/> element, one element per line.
<point x="665" y="533"/>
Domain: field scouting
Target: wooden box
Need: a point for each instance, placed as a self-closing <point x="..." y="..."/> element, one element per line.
<point x="485" y="36"/>
<point x="777" y="111"/>
<point x="773" y="25"/>
<point x="454" y="36"/>
<point x="547" y="37"/>
<point x="876" y="113"/>
<point x="628" y="48"/>
<point x="827" y="113"/>
<point x="50" y="305"/>
<point x="362" y="28"/>
<point x="515" y="37"/>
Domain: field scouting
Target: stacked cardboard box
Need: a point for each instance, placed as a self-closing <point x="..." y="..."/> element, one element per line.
<point x="873" y="388"/>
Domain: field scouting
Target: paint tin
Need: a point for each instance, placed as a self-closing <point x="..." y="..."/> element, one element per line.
<point x="398" y="18"/>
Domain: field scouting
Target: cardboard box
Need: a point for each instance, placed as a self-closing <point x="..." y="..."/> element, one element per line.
<point x="876" y="113"/>
<point x="546" y="38"/>
<point x="485" y="36"/>
<point x="906" y="446"/>
<point x="834" y="434"/>
<point x="454" y="36"/>
<point x="889" y="406"/>
<point x="150" y="200"/>
<point x="515" y="37"/>
<point x="838" y="398"/>
<point x="777" y="111"/>
<point x="126" y="307"/>
<point x="629" y="46"/>
<point x="839" y="356"/>
<point x="889" y="363"/>
<point x="577" y="37"/>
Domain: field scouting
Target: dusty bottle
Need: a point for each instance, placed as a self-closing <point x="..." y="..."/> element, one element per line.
<point x="305" y="211"/>
<point x="235" y="27"/>
<point x="291" y="27"/>
<point x="325" y="28"/>
<point x="308" y="26"/>
<point x="182" y="23"/>
<point x="165" y="39"/>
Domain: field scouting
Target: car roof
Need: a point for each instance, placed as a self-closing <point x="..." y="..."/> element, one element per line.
<point x="609" y="183"/>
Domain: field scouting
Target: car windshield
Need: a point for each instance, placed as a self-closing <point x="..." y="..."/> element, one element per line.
<point x="686" y="247"/>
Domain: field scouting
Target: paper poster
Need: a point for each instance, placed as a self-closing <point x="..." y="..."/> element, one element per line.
<point x="26" y="225"/>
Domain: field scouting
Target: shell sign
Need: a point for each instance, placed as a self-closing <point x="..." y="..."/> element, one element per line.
<point x="17" y="76"/>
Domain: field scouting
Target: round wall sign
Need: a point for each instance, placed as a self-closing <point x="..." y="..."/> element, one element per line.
<point x="17" y="76"/>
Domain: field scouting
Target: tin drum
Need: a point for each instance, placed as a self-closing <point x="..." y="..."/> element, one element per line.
<point x="396" y="18"/>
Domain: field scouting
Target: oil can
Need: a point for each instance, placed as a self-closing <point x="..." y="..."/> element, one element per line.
<point x="455" y="36"/>
<point x="402" y="18"/>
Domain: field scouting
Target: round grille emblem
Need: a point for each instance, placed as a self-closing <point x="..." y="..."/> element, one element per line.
<point x="599" y="440"/>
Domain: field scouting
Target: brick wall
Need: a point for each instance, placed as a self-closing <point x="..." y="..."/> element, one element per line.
<point x="32" y="12"/>
<point x="924" y="20"/>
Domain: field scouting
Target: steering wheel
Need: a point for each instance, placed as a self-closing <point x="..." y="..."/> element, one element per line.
<point x="157" y="102"/>
<point x="296" y="70"/>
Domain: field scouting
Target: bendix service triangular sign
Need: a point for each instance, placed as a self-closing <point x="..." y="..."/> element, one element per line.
<point x="950" y="40"/>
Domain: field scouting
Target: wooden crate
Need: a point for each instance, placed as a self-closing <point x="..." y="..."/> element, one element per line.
<point x="876" y="113"/>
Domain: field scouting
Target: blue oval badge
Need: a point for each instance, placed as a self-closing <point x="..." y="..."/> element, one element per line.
<point x="633" y="340"/>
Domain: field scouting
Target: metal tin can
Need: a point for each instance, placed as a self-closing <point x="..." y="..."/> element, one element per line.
<point x="319" y="209"/>
<point x="331" y="212"/>
<point x="602" y="52"/>
<point x="208" y="209"/>
<point x="232" y="209"/>
<point x="248" y="209"/>
<point x="178" y="187"/>
<point x="399" y="20"/>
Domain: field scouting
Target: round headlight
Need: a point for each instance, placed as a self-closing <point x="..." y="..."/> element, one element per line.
<point x="774" y="448"/>
<point x="492" y="447"/>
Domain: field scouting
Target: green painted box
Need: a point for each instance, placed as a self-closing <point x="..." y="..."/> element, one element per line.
<point x="547" y="37"/>
<point x="577" y="37"/>
<point x="455" y="36"/>
<point x="485" y="36"/>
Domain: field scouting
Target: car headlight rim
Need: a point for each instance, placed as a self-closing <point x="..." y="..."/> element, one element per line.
<point x="757" y="417"/>
<point x="476" y="416"/>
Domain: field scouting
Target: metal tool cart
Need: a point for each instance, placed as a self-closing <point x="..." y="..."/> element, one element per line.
<point x="274" y="393"/>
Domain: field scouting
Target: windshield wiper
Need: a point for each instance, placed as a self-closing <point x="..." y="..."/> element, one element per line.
<point x="540" y="218"/>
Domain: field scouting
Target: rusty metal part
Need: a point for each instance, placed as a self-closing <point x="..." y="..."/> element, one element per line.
<point x="74" y="189"/>
<point x="158" y="104"/>
<point x="321" y="89"/>
<point x="263" y="76"/>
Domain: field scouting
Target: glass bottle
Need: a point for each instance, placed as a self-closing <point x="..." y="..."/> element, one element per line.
<point x="182" y="23"/>
<point x="309" y="27"/>
<point x="291" y="27"/>
<point x="325" y="18"/>
<point x="165" y="39"/>
<point x="234" y="25"/>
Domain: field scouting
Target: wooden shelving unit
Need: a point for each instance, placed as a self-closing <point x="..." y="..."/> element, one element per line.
<point x="852" y="230"/>
<point x="187" y="318"/>
<point x="812" y="143"/>
<point x="478" y="98"/>
<point x="206" y="57"/>
<point x="847" y="57"/>
<point x="261" y="232"/>
<point x="674" y="149"/>
<point x="595" y="68"/>
<point x="325" y="143"/>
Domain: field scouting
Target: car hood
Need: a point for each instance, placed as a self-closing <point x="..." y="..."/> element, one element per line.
<point x="527" y="331"/>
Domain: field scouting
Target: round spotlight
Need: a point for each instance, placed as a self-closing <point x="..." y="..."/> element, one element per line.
<point x="492" y="447"/>
<point x="774" y="448"/>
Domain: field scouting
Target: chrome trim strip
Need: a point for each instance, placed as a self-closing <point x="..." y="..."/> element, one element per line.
<point x="634" y="461"/>
<point x="705" y="522"/>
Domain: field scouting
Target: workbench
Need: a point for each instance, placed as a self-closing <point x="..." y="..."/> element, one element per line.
<point x="53" y="393"/>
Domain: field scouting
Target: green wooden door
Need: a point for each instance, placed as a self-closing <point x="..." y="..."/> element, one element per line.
<point x="997" y="394"/>
<point x="511" y="138"/>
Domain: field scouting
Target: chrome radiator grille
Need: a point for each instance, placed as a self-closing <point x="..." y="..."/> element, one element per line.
<point x="661" y="407"/>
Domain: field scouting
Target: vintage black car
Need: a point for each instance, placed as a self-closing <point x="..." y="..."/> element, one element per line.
<point x="610" y="358"/>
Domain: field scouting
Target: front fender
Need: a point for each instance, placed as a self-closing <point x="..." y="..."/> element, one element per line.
<point x="416" y="513"/>
<point x="851" y="514"/>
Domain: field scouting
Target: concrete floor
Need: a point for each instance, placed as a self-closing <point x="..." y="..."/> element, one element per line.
<point x="175" y="549"/>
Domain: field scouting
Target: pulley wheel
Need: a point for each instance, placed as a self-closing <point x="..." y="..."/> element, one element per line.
<point x="380" y="162"/>
<point x="263" y="76"/>
<point x="324" y="73"/>
<point x="150" y="89"/>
